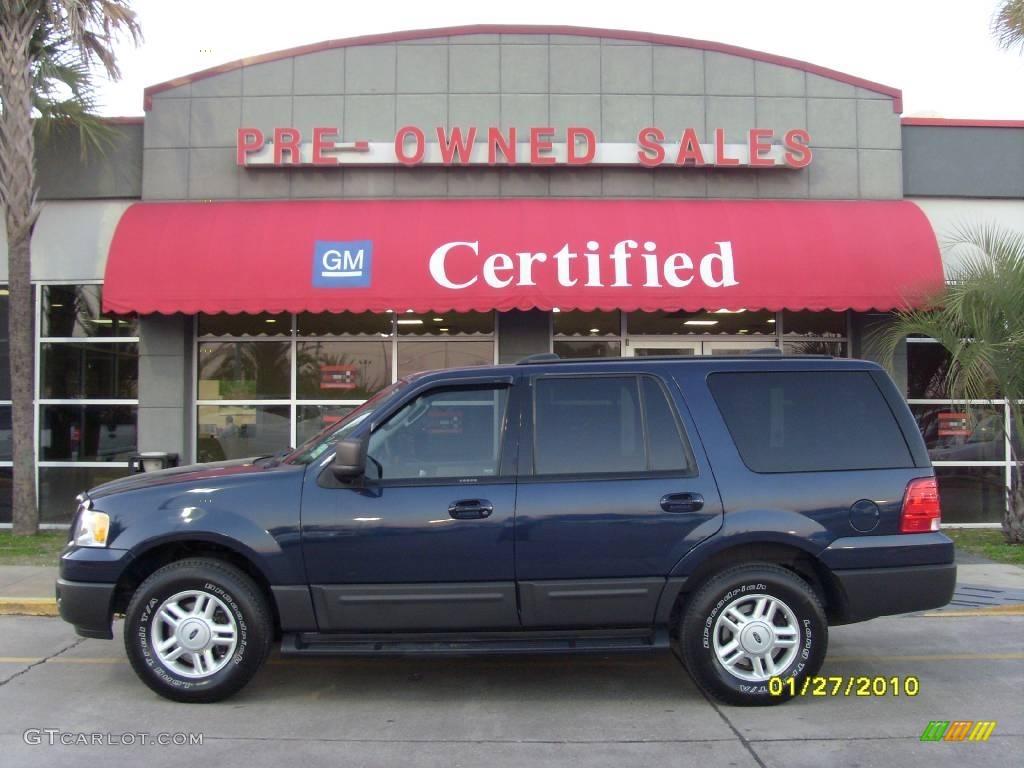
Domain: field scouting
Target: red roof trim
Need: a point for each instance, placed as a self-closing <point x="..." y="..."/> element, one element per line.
<point x="954" y="123"/>
<point x="518" y="29"/>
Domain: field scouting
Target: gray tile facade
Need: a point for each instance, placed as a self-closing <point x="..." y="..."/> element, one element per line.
<point x="612" y="86"/>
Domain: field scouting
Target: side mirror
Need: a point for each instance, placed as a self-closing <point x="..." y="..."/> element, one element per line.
<point x="350" y="458"/>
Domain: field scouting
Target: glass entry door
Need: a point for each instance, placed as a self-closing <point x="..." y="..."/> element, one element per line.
<point x="644" y="348"/>
<point x="745" y="347"/>
<point x="654" y="348"/>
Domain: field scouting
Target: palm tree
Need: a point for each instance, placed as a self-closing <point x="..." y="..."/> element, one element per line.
<point x="47" y="48"/>
<point x="1008" y="24"/>
<point x="979" y="319"/>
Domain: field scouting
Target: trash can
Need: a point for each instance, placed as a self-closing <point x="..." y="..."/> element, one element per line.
<point x="152" y="461"/>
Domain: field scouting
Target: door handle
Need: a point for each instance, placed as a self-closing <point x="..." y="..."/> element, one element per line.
<point x="682" y="502"/>
<point x="470" y="509"/>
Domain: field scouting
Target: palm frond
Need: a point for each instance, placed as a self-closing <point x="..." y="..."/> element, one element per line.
<point x="1008" y="24"/>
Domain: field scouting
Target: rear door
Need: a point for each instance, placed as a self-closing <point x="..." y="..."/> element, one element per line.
<point x="611" y="495"/>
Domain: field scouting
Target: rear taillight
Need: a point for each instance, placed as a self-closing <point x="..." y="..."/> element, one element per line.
<point x="921" y="512"/>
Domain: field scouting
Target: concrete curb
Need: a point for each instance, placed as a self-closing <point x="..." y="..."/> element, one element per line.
<point x="28" y="606"/>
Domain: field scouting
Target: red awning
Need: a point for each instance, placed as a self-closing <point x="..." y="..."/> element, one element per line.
<point x="460" y="255"/>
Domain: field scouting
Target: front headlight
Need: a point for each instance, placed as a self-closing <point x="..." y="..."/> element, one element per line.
<point x="92" y="529"/>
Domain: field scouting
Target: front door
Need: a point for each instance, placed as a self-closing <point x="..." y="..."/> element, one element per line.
<point x="611" y="496"/>
<point x="655" y="347"/>
<point x="426" y="540"/>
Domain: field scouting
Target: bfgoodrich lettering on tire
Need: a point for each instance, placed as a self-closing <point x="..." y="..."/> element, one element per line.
<point x="197" y="630"/>
<point x="748" y="625"/>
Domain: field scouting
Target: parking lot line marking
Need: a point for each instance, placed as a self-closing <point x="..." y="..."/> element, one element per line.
<point x="988" y="610"/>
<point x="935" y="657"/>
<point x="19" y="660"/>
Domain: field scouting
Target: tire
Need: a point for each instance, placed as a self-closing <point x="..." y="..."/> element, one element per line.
<point x="749" y="624"/>
<point x="197" y="630"/>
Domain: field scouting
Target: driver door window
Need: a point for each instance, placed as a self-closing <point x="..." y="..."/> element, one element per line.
<point x="447" y="433"/>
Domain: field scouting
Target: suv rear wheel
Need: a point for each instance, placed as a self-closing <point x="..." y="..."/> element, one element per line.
<point x="197" y="630"/>
<point x="748" y="625"/>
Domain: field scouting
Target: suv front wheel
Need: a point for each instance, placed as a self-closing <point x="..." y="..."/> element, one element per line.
<point x="748" y="625"/>
<point x="197" y="630"/>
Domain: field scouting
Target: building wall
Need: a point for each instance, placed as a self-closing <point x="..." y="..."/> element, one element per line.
<point x="112" y="170"/>
<point x="963" y="161"/>
<point x="949" y="215"/>
<point x="614" y="86"/>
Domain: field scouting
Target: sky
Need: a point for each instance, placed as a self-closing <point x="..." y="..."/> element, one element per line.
<point x="939" y="52"/>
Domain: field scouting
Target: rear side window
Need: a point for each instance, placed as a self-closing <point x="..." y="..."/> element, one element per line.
<point x="809" y="421"/>
<point x="596" y="424"/>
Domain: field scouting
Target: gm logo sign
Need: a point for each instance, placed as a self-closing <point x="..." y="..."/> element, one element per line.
<point x="344" y="264"/>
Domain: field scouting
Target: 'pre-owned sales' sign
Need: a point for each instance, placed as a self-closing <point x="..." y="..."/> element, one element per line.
<point x="537" y="146"/>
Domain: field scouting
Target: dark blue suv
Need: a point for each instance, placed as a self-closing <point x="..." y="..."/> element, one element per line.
<point x="732" y="508"/>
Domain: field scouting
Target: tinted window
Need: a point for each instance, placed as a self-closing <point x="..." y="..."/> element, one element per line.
<point x="450" y="433"/>
<point x="809" y="421"/>
<point x="665" y="443"/>
<point x="586" y="425"/>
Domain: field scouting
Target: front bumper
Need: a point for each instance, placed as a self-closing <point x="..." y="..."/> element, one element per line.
<point x="88" y="606"/>
<point x="885" y="575"/>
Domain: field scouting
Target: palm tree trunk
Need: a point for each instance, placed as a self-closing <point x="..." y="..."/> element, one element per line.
<point x="18" y="196"/>
<point x="1013" y="522"/>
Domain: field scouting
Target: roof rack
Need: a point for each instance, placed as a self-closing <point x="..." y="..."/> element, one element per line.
<point x="542" y="357"/>
<point x="770" y="353"/>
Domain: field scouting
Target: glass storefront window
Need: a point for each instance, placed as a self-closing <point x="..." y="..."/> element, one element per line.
<point x="83" y="369"/>
<point x="344" y="324"/>
<point x="74" y="311"/>
<point x="579" y="323"/>
<point x="595" y="348"/>
<point x="704" y="322"/>
<point x="445" y="323"/>
<point x="5" y="359"/>
<point x="244" y="370"/>
<point x="58" y="487"/>
<point x="239" y="431"/>
<point x="6" y="480"/>
<point x="341" y="356"/>
<point x="310" y="419"/>
<point x="962" y="433"/>
<point x="972" y="494"/>
<point x="87" y="432"/>
<point x="242" y="324"/>
<point x="342" y="370"/>
<point x="416" y="356"/>
<point x="806" y="323"/>
<point x="927" y="366"/>
<point x="5" y="433"/>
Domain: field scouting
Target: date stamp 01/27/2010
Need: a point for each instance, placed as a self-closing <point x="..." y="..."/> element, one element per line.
<point x="840" y="685"/>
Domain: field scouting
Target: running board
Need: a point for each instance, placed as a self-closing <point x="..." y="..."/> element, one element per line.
<point x="451" y="644"/>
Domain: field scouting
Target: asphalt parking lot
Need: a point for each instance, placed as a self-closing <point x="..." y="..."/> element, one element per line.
<point x="525" y="711"/>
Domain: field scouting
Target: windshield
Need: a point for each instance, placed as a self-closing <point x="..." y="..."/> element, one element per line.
<point x="321" y="442"/>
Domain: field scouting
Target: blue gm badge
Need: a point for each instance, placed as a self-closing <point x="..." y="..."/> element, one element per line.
<point x="342" y="264"/>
